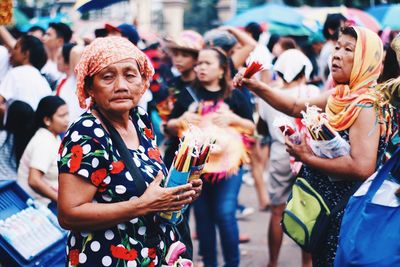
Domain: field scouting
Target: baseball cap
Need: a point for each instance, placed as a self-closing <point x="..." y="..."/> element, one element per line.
<point x="222" y="39"/>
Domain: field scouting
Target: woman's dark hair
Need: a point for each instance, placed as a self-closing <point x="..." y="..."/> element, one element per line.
<point x="224" y="82"/>
<point x="272" y="41"/>
<point x="254" y="29"/>
<point x="19" y="123"/>
<point x="47" y="107"/>
<point x="350" y="31"/>
<point x="301" y="74"/>
<point x="66" y="51"/>
<point x="391" y="68"/>
<point x="35" y="47"/>
<point x="287" y="43"/>
<point x="332" y="22"/>
<point x="36" y="28"/>
<point x="62" y="30"/>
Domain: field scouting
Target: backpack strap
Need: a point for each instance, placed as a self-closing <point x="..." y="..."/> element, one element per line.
<point x="154" y="232"/>
<point x="140" y="184"/>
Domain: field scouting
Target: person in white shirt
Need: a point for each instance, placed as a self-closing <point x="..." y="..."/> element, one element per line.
<point x="67" y="59"/>
<point x="294" y="68"/>
<point x="37" y="172"/>
<point x="4" y="62"/>
<point x="55" y="37"/>
<point x="24" y="81"/>
<point x="331" y="28"/>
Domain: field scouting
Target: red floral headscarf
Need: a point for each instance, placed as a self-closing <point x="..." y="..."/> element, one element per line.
<point x="105" y="51"/>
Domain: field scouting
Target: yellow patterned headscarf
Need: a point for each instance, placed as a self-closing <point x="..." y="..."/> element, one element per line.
<point x="346" y="102"/>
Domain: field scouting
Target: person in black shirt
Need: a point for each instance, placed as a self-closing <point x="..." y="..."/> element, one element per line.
<point x="225" y="115"/>
<point x="184" y="51"/>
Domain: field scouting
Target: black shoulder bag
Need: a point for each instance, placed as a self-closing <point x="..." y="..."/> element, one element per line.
<point x="153" y="234"/>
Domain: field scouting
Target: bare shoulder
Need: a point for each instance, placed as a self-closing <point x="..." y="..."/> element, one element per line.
<point x="367" y="119"/>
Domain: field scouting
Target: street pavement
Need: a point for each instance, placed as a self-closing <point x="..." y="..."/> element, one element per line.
<point x="255" y="253"/>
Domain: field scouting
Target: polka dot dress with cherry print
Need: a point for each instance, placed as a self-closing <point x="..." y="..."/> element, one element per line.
<point x="87" y="151"/>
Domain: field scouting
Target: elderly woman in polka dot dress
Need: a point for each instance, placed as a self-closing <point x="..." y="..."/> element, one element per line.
<point x="111" y="224"/>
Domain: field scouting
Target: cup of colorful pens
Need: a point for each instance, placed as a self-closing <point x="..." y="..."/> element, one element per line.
<point x="187" y="166"/>
<point x="324" y="141"/>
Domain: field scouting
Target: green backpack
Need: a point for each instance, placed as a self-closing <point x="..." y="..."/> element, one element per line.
<point x="306" y="216"/>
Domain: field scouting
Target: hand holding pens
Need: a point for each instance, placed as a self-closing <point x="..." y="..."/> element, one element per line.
<point x="317" y="124"/>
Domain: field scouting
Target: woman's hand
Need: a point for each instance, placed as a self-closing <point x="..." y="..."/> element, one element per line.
<point x="253" y="84"/>
<point x="197" y="187"/>
<point x="191" y="118"/>
<point x="300" y="152"/>
<point x="223" y="118"/>
<point x="157" y="198"/>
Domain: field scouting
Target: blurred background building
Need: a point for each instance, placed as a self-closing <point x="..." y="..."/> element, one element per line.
<point x="166" y="17"/>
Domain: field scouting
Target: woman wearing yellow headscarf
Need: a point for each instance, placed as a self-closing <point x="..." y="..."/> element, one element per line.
<point x="355" y="109"/>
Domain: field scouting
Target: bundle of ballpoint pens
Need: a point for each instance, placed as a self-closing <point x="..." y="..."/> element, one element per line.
<point x="325" y="141"/>
<point x="189" y="162"/>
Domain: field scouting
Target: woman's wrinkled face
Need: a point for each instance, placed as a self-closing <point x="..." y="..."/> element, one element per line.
<point x="118" y="87"/>
<point x="343" y="59"/>
<point x="184" y="61"/>
<point x="208" y="69"/>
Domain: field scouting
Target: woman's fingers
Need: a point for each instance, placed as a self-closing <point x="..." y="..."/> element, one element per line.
<point x="181" y="188"/>
<point x="197" y="184"/>
<point x="184" y="195"/>
<point x="158" y="179"/>
<point x="237" y="80"/>
<point x="288" y="143"/>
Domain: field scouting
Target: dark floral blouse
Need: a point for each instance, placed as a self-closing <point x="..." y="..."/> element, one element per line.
<point x="87" y="151"/>
<point x="333" y="193"/>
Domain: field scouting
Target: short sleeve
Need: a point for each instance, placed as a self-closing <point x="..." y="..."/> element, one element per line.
<point x="183" y="101"/>
<point x="240" y="105"/>
<point x="7" y="86"/>
<point x="84" y="151"/>
<point x="42" y="157"/>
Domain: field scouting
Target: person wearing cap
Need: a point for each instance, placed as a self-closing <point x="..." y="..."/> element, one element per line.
<point x="236" y="43"/>
<point x="125" y="30"/>
<point x="184" y="51"/>
<point x="112" y="30"/>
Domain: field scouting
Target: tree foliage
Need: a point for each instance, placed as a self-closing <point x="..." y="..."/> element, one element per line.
<point x="201" y="15"/>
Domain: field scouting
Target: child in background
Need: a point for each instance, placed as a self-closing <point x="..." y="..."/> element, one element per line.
<point x="37" y="172"/>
